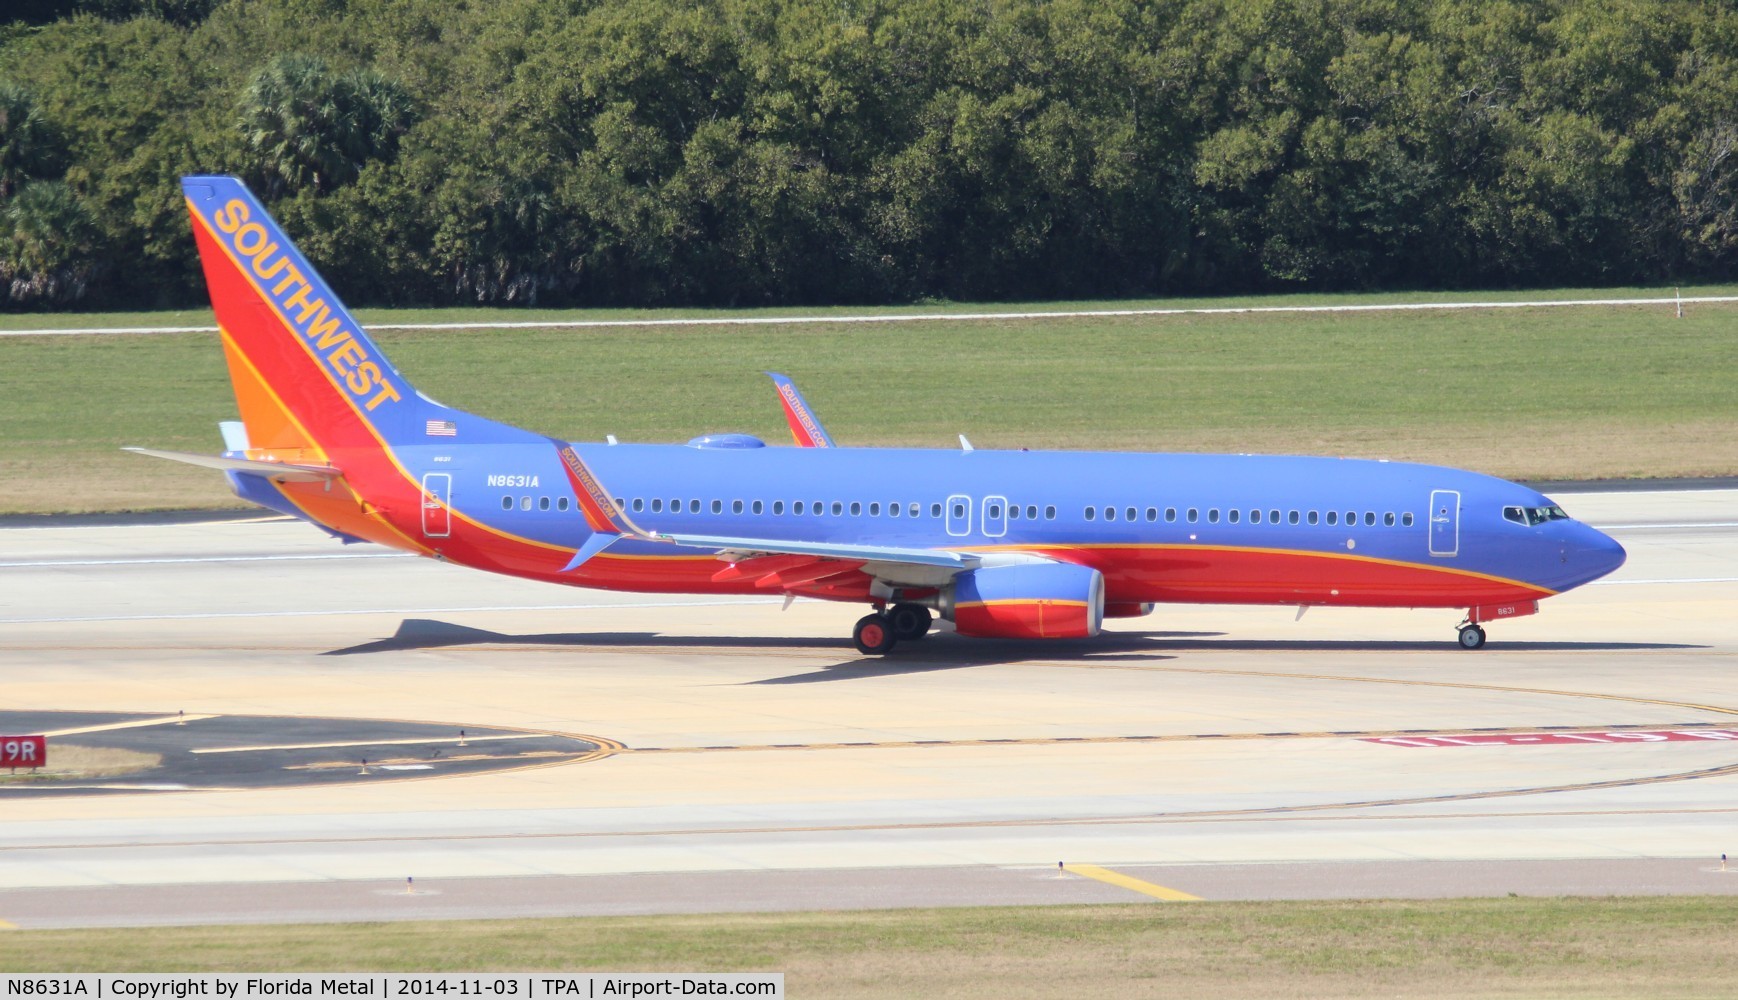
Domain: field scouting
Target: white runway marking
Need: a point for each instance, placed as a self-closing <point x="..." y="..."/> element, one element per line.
<point x="1703" y="579"/>
<point x="1682" y="524"/>
<point x="592" y="324"/>
<point x="154" y="561"/>
<point x="386" y="611"/>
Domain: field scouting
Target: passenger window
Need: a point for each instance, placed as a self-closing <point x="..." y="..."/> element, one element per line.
<point x="1050" y="513"/>
<point x="778" y="508"/>
<point x="1313" y="517"/>
<point x="717" y="506"/>
<point x="1129" y="514"/>
<point x="892" y="510"/>
<point x="797" y="507"/>
<point x="758" y="507"/>
<point x="995" y="510"/>
<point x="1231" y="515"/>
<point x="693" y="506"/>
<point x="935" y="510"/>
<point x="506" y="503"/>
<point x="524" y="503"/>
<point x="542" y="503"/>
<point x="1351" y="517"/>
<point x="561" y="504"/>
<point x="1194" y="515"/>
<point x="1013" y="512"/>
<point x="1212" y="515"/>
<point x="1292" y="517"/>
<point x="1255" y="517"/>
<point x="657" y="505"/>
<point x="1031" y="512"/>
<point x="1333" y="517"/>
<point x="1110" y="513"/>
<point x="856" y="508"/>
<point x="639" y="505"/>
<point x="1170" y="513"/>
<point x="838" y="508"/>
<point x="875" y="510"/>
<point x="1091" y="513"/>
<point x="1406" y="519"/>
<point x="1388" y="519"/>
<point x="736" y="506"/>
<point x="1369" y="519"/>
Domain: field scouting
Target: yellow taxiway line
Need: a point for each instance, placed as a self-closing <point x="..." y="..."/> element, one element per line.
<point x="1133" y="884"/>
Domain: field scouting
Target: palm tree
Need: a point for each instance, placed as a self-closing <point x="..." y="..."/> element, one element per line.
<point x="28" y="147"/>
<point x="308" y="126"/>
<point x="48" y="245"/>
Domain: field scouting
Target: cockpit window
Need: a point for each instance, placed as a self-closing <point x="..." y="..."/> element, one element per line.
<point x="1533" y="516"/>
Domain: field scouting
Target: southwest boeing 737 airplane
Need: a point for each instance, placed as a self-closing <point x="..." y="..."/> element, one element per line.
<point x="1000" y="543"/>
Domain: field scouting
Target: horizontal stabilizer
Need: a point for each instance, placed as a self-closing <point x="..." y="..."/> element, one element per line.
<point x="282" y="472"/>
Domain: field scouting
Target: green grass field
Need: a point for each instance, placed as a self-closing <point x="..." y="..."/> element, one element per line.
<point x="1534" y="948"/>
<point x="1566" y="393"/>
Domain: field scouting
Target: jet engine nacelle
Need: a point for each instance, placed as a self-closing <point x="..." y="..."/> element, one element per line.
<point x="1029" y="601"/>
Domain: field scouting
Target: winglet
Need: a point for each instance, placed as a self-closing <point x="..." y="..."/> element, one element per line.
<point x="806" y="428"/>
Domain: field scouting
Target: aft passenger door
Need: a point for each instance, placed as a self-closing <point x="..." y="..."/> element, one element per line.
<point x="1444" y="517"/>
<point x="437" y="495"/>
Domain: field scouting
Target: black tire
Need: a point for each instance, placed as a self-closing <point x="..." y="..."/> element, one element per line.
<point x="1472" y="637"/>
<point x="909" y="621"/>
<point x="873" y="636"/>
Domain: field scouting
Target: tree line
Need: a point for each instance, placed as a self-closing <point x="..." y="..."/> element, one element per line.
<point x="745" y="152"/>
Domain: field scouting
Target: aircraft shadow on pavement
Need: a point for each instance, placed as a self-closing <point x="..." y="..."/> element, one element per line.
<point x="948" y="652"/>
<point x="427" y="633"/>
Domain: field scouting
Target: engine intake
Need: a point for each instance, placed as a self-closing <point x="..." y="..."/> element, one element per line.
<point x="1032" y="601"/>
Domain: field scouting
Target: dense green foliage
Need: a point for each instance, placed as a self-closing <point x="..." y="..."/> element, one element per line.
<point x="759" y="151"/>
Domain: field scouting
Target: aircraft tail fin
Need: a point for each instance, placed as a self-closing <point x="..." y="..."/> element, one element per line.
<point x="307" y="379"/>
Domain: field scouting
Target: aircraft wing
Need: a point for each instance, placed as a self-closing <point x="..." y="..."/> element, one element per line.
<point x="610" y="524"/>
<point x="745" y="548"/>
<point x="282" y="472"/>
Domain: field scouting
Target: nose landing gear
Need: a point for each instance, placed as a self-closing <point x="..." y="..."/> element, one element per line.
<point x="1471" y="636"/>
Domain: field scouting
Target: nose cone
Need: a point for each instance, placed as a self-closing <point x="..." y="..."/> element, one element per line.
<point x="1589" y="554"/>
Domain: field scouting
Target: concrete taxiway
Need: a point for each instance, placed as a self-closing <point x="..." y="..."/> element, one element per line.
<point x="729" y="755"/>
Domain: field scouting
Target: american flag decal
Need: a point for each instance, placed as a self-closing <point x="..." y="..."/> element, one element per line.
<point x="442" y="428"/>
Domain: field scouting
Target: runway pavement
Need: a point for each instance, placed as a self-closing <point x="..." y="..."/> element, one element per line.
<point x="747" y="758"/>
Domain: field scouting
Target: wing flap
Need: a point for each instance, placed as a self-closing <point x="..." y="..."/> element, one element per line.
<point x="740" y="549"/>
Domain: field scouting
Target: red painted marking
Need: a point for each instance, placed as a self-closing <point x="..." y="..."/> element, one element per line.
<point x="23" y="751"/>
<point x="1558" y="739"/>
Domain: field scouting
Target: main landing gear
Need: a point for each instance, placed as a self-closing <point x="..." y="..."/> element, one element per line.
<point x="875" y="634"/>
